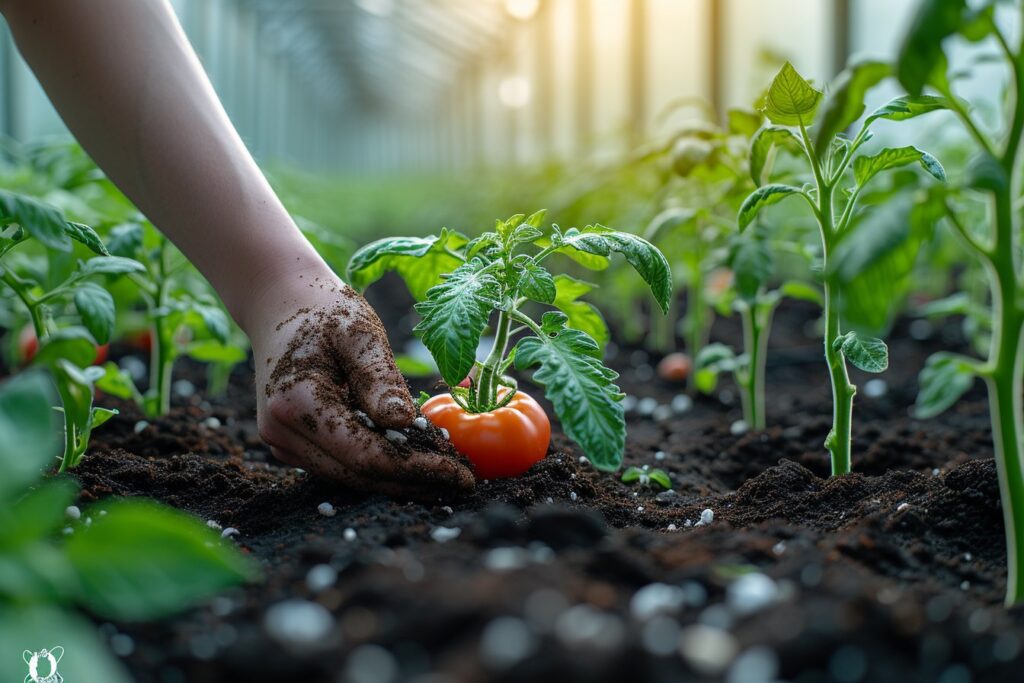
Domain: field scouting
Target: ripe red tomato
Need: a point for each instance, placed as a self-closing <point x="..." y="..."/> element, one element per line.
<point x="101" y="354"/>
<point x="502" y="443"/>
<point x="675" y="367"/>
<point x="142" y="340"/>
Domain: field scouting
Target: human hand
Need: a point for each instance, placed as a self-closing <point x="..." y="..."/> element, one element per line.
<point x="324" y="374"/>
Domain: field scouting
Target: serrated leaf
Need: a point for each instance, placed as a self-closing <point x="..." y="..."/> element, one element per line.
<point x="582" y="391"/>
<point x="85" y="235"/>
<point x="645" y="258"/>
<point x="943" y="380"/>
<point x="42" y="221"/>
<point x="111" y="265"/>
<point x="96" y="307"/>
<point x="764" y="146"/>
<point x="536" y="283"/>
<point x="455" y="314"/>
<point x="760" y="198"/>
<point x="125" y="239"/>
<point x="908" y="107"/>
<point x="420" y="261"/>
<point x="582" y="315"/>
<point x="867" y="167"/>
<point x="845" y="102"/>
<point x="791" y="100"/>
<point x="867" y="353"/>
<point x="552" y="322"/>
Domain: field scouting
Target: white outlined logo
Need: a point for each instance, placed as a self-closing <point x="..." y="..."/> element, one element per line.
<point x="48" y="659"/>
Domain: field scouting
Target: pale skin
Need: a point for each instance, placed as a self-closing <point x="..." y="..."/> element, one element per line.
<point x="131" y="89"/>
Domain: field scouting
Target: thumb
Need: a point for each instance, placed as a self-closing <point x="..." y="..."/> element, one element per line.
<point x="375" y="381"/>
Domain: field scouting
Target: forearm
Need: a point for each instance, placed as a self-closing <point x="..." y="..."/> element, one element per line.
<point x="129" y="86"/>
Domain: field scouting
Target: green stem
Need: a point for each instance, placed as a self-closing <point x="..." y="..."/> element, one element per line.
<point x="696" y="315"/>
<point x="161" y="354"/>
<point x="755" y="343"/>
<point x="487" y="382"/>
<point x="839" y="439"/>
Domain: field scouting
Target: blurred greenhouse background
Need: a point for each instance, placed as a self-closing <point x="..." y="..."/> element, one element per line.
<point x="382" y="86"/>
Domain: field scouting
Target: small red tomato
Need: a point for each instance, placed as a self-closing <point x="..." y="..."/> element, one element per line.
<point x="466" y="384"/>
<point x="675" y="367"/>
<point x="142" y="340"/>
<point x="27" y="343"/>
<point x="101" y="354"/>
<point x="502" y="443"/>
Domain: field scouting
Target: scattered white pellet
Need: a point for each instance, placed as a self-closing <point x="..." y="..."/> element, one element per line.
<point x="420" y="423"/>
<point x="67" y="531"/>
<point x="965" y="585"/>
<point x="214" y="524"/>
<point x="549" y="500"/>
<point x="229" y="532"/>
<point x="395" y="437"/>
<point x="72" y="512"/>
<point x="349" y="534"/>
<point x="707" y="649"/>
<point x="321" y="577"/>
<point x="739" y="427"/>
<point x="688" y="523"/>
<point x="445" y="434"/>
<point x="326" y="509"/>
<point x="659" y="455"/>
<point x="681" y="404"/>
<point x="365" y="419"/>
<point x="656" y="599"/>
<point x="968" y="557"/>
<point x="506" y="558"/>
<point x="183" y="388"/>
<point x="936" y="472"/>
<point x="443" y="534"/>
<point x="140" y="426"/>
<point x="779" y="548"/>
<point x="672" y="527"/>
<point x="212" y="422"/>
<point x="662" y="413"/>
<point x="751" y="593"/>
<point x="298" y="623"/>
<point x="639" y="508"/>
<point x="103" y="513"/>
<point x="706" y="517"/>
<point x="902" y="506"/>
<point x="573" y="496"/>
<point x="583" y="460"/>
<point x="876" y="388"/>
<point x="646" y="406"/>
<point x="88" y="521"/>
<point x="447" y="509"/>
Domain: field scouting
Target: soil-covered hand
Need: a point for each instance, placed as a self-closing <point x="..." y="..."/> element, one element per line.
<point x="328" y="390"/>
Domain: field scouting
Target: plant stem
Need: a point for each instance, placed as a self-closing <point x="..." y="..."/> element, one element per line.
<point x="487" y="382"/>
<point x="696" y="315"/>
<point x="161" y="354"/>
<point x="839" y="439"/>
<point x="755" y="343"/>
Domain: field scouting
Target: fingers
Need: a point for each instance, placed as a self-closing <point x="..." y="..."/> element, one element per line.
<point x="377" y="384"/>
<point x="338" y="445"/>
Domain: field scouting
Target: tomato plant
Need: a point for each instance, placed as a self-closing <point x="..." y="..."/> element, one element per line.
<point x="995" y="173"/>
<point x="461" y="282"/>
<point x="28" y="345"/>
<point x="184" y="319"/>
<point x="503" y="442"/>
<point x="838" y="172"/>
<point x="67" y="350"/>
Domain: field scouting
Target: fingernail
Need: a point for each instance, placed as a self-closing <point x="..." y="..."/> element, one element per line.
<point x="396" y="408"/>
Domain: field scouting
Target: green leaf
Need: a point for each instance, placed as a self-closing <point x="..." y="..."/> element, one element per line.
<point x="668" y="219"/>
<point x="420" y="261"/>
<point x="455" y="314"/>
<point x="761" y="198"/>
<point x="40" y="220"/>
<point x="801" y="291"/>
<point x="101" y="416"/>
<point x="921" y="60"/>
<point x="536" y="283"/>
<point x="845" y="103"/>
<point x="661" y="478"/>
<point x="85" y="235"/>
<point x="33" y="627"/>
<point x="867" y="167"/>
<point x="112" y="265"/>
<point x="38" y="514"/>
<point x="955" y="304"/>
<point x="74" y="344"/>
<point x="984" y="172"/>
<point x="142" y="561"/>
<point x="764" y="146"/>
<point x="867" y="353"/>
<point x="751" y="261"/>
<point x="414" y="367"/>
<point x="791" y="100"/>
<point x="125" y="239"/>
<point x="742" y="122"/>
<point x="582" y="315"/>
<point x="117" y="382"/>
<point x="943" y="380"/>
<point x="581" y="389"/>
<point x="631" y="474"/>
<point x="908" y="107"/>
<point x="212" y="351"/>
<point x="645" y="258"/>
<point x="96" y="306"/>
<point x="716" y="357"/>
<point x="29" y="438"/>
<point x="215" y="320"/>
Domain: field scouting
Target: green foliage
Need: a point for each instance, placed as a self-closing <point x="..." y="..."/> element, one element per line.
<point x="791" y="100"/>
<point x="645" y="476"/>
<point x="125" y="560"/>
<point x="505" y="270"/>
<point x="945" y="378"/>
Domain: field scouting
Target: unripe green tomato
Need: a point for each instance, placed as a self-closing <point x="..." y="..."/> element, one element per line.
<point x="689" y="153"/>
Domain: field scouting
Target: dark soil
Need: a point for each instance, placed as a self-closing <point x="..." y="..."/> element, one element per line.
<point x="894" y="573"/>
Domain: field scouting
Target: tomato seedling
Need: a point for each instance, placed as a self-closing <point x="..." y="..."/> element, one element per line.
<point x="461" y="282"/>
<point x="184" y="319"/>
<point x="67" y="350"/>
<point x="645" y="476"/>
<point x="995" y="172"/>
<point x="837" y="171"/>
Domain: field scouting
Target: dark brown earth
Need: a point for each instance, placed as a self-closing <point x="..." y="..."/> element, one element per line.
<point x="894" y="573"/>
